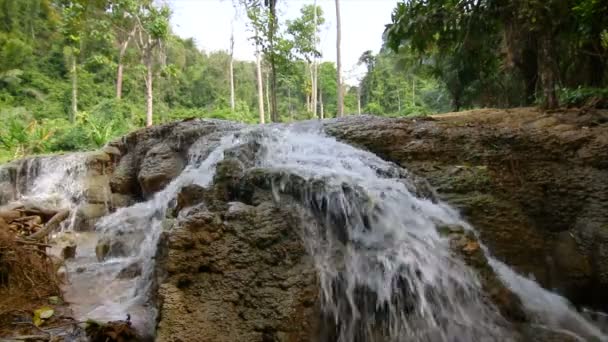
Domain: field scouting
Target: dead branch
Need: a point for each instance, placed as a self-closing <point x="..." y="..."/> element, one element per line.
<point x="50" y="225"/>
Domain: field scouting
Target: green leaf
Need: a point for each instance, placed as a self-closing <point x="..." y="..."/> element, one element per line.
<point x="41" y="314"/>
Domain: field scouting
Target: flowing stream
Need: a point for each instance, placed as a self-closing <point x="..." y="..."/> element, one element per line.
<point x="385" y="272"/>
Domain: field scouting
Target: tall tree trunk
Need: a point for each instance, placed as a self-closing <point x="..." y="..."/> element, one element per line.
<point x="321" y="109"/>
<point x="232" y="101"/>
<point x="315" y="69"/>
<point x="359" y="100"/>
<point x="273" y="97"/>
<point x="258" y="67"/>
<point x="149" y="92"/>
<point x="340" y="107"/>
<point x="268" y="96"/>
<point x="119" y="80"/>
<point x="398" y="101"/>
<point x="308" y="103"/>
<point x="274" y="115"/>
<point x="121" y="54"/>
<point x="413" y="92"/>
<point x="310" y="96"/>
<point x="547" y="73"/>
<point x="74" y="73"/>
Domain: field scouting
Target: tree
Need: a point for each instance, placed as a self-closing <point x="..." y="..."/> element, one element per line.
<point x="340" y="108"/>
<point x="264" y="22"/>
<point x="304" y="35"/>
<point x="486" y="50"/>
<point x="73" y="26"/>
<point x="231" y="70"/>
<point x="153" y="28"/>
<point x="124" y="18"/>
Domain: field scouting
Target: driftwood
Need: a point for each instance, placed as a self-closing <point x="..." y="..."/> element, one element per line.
<point x="33" y="210"/>
<point x="50" y="225"/>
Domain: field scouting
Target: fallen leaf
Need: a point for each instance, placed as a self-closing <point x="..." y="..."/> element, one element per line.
<point x="42" y="314"/>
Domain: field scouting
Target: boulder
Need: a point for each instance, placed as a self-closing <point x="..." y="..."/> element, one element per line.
<point x="87" y="215"/>
<point x="97" y="189"/>
<point x="120" y="201"/>
<point x="239" y="272"/>
<point x="124" y="178"/>
<point x="68" y="252"/>
<point x="158" y="168"/>
<point x="98" y="163"/>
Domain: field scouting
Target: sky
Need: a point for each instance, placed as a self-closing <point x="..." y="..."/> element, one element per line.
<point x="209" y="22"/>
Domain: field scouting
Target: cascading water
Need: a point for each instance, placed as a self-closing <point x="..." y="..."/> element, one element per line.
<point x="385" y="272"/>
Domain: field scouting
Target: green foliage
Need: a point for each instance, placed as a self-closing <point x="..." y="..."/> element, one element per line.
<point x="581" y="96"/>
<point x="501" y="53"/>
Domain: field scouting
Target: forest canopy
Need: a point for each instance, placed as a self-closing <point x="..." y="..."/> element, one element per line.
<point x="75" y="74"/>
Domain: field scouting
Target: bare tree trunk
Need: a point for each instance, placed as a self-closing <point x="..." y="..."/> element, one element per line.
<point x="258" y="67"/>
<point x="274" y="115"/>
<point x="321" y="110"/>
<point x="308" y="103"/>
<point x="315" y="69"/>
<point x="119" y="80"/>
<point x="232" y="102"/>
<point x="413" y="92"/>
<point x="359" y="100"/>
<point x="119" y="75"/>
<point x="74" y="72"/>
<point x="268" y="96"/>
<point x="398" y="101"/>
<point x="149" y="92"/>
<point x="289" y="102"/>
<point x="546" y="68"/>
<point x="340" y="108"/>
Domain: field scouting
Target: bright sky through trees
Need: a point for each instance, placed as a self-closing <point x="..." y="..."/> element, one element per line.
<point x="208" y="21"/>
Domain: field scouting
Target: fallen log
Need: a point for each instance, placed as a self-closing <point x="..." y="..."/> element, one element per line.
<point x="34" y="210"/>
<point x="50" y="225"/>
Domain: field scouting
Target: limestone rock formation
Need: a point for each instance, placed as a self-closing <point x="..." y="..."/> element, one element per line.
<point x="534" y="185"/>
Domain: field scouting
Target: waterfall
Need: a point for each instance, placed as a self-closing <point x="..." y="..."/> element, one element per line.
<point x="385" y="272"/>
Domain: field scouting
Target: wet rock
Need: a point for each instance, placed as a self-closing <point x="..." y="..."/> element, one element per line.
<point x="124" y="178"/>
<point x="520" y="177"/>
<point x="159" y="167"/>
<point x="7" y="192"/>
<point x="120" y="201"/>
<point x="115" y="331"/>
<point x="68" y="252"/>
<point x="97" y="189"/>
<point x="87" y="215"/>
<point x="113" y="152"/>
<point x="465" y="244"/>
<point x="130" y="272"/>
<point x="98" y="163"/>
<point x="227" y="176"/>
<point x="575" y="267"/>
<point x="246" y="277"/>
<point x="189" y="195"/>
<point x="110" y="247"/>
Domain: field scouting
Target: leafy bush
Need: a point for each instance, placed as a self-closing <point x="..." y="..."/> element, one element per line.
<point x="584" y="96"/>
<point x="22" y="135"/>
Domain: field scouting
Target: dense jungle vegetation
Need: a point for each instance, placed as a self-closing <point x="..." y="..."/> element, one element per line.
<point x="77" y="73"/>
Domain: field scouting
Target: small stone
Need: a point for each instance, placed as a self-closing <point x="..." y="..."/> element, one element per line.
<point x="130" y="272"/>
<point x="68" y="252"/>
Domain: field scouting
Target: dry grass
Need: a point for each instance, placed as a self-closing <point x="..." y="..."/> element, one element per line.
<point x="28" y="276"/>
